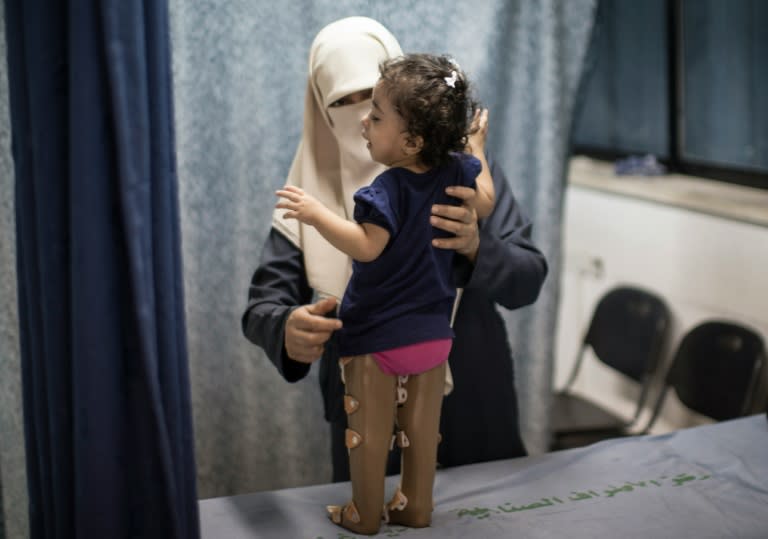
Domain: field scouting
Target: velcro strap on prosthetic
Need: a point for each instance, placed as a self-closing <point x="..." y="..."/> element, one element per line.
<point x="352" y="439"/>
<point x="350" y="513"/>
<point x="402" y="439"/>
<point x="334" y="512"/>
<point x="342" y="362"/>
<point x="397" y="503"/>
<point x="351" y="404"/>
<point x="402" y="393"/>
<point x="338" y="513"/>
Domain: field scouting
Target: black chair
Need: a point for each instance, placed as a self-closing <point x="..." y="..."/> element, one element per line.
<point x="627" y="332"/>
<point x="716" y="371"/>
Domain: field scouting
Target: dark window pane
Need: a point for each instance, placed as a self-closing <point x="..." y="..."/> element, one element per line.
<point x="625" y="104"/>
<point x="725" y="83"/>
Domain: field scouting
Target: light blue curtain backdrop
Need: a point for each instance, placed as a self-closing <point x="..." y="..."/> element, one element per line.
<point x="240" y="69"/>
<point x="13" y="481"/>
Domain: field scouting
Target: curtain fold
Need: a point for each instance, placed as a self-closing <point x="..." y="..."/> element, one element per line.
<point x="107" y="418"/>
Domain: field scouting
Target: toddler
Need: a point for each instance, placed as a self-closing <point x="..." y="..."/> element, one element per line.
<point x="396" y="309"/>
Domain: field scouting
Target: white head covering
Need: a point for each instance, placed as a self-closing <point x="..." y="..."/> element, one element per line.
<point x="332" y="161"/>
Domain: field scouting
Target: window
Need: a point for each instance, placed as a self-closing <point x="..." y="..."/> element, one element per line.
<point x="684" y="80"/>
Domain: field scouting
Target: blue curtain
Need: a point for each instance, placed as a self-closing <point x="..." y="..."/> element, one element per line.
<point x="107" y="419"/>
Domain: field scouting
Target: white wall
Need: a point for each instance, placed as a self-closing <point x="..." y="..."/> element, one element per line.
<point x="702" y="265"/>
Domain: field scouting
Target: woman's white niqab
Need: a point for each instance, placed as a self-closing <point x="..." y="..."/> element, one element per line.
<point x="332" y="161"/>
<point x="354" y="158"/>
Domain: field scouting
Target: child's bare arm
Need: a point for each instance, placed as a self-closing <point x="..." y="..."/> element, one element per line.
<point x="486" y="195"/>
<point x="363" y="242"/>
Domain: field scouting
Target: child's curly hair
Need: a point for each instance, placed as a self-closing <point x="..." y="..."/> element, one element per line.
<point x="419" y="88"/>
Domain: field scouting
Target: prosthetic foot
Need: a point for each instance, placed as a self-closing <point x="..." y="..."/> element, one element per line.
<point x="418" y="421"/>
<point x="369" y="403"/>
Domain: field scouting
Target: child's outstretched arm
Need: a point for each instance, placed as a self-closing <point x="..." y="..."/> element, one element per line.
<point x="363" y="242"/>
<point x="486" y="196"/>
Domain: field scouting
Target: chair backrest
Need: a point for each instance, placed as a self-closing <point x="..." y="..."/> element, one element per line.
<point x="716" y="369"/>
<point x="627" y="333"/>
<point x="628" y="330"/>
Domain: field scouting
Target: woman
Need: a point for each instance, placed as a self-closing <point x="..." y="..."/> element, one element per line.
<point x="499" y="263"/>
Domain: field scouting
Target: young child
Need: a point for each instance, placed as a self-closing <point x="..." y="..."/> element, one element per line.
<point x="396" y="309"/>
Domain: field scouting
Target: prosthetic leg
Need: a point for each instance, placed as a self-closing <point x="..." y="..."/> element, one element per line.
<point x="418" y="422"/>
<point x="369" y="402"/>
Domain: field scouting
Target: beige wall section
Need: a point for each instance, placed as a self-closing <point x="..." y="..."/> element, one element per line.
<point x="707" y="262"/>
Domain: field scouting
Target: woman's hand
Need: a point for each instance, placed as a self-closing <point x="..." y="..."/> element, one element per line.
<point x="485" y="198"/>
<point x="461" y="221"/>
<point x="478" y="133"/>
<point x="307" y="330"/>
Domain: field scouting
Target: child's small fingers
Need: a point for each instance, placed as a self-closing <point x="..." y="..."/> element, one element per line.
<point x="287" y="195"/>
<point x="285" y="205"/>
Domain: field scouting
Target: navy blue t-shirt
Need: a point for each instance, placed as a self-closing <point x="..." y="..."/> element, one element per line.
<point x="405" y="296"/>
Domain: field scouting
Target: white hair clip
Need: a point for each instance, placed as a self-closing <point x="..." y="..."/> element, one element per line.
<point x="451" y="81"/>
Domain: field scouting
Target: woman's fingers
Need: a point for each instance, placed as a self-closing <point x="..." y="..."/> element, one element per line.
<point x="461" y="221"/>
<point x="307" y="330"/>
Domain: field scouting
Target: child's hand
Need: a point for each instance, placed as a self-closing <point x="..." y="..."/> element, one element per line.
<point x="299" y="204"/>
<point x="478" y="132"/>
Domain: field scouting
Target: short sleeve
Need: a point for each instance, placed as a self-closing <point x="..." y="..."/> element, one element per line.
<point x="372" y="205"/>
<point x="470" y="168"/>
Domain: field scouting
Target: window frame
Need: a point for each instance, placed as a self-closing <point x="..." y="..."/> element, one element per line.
<point x="675" y="162"/>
